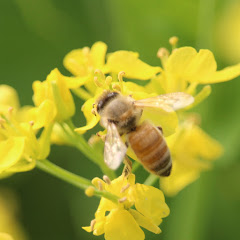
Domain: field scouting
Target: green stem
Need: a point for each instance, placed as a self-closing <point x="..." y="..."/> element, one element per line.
<point x="73" y="179"/>
<point x="151" y="179"/>
<point x="81" y="144"/>
<point x="135" y="166"/>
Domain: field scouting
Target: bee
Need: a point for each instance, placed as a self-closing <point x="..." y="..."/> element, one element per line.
<point x="121" y="115"/>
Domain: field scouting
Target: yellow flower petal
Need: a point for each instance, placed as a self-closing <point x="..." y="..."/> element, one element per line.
<point x="150" y="202"/>
<point x="91" y="119"/>
<point x="167" y="120"/>
<point x="145" y="222"/>
<point x="202" y="144"/>
<point x="41" y="116"/>
<point x="121" y="225"/>
<point x="5" y="236"/>
<point x="226" y="74"/>
<point x="188" y="64"/>
<point x="132" y="66"/>
<point x="98" y="53"/>
<point x="11" y="151"/>
<point x="181" y="176"/>
<point x="56" y="90"/>
<point x="77" y="62"/>
<point x="76" y="82"/>
<point x="8" y="98"/>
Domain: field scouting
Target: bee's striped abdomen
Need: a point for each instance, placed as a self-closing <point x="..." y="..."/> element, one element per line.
<point x="151" y="149"/>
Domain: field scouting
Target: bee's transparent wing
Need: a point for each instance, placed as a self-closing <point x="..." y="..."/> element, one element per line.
<point x="114" y="149"/>
<point x="167" y="102"/>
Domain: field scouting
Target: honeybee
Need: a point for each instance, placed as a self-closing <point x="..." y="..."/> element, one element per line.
<point x="121" y="115"/>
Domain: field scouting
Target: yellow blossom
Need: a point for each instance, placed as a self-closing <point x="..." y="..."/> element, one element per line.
<point x="82" y="63"/>
<point x="10" y="227"/>
<point x="119" y="220"/>
<point x="192" y="151"/>
<point x="19" y="146"/>
<point x="185" y="68"/>
<point x="54" y="88"/>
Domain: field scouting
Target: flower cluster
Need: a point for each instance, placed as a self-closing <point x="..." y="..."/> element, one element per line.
<point x="149" y="204"/>
<point x="26" y="133"/>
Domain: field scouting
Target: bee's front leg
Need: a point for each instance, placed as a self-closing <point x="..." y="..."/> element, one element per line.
<point x="101" y="135"/>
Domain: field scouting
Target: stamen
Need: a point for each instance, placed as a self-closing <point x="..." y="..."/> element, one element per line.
<point x="100" y="186"/>
<point x="162" y="53"/>
<point x="107" y="179"/>
<point x="92" y="224"/>
<point x="96" y="81"/>
<point x="173" y="41"/>
<point x="31" y="123"/>
<point x="120" y="76"/>
<point x="122" y="200"/>
<point x="125" y="188"/>
<point x="116" y="87"/>
<point x="10" y="109"/>
<point x="108" y="80"/>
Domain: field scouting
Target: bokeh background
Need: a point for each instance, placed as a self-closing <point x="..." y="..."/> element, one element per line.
<point x="35" y="35"/>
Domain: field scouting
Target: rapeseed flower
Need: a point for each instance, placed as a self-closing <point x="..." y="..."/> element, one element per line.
<point x="55" y="89"/>
<point x="192" y="152"/>
<point x="120" y="220"/>
<point x="19" y="146"/>
<point x="83" y="63"/>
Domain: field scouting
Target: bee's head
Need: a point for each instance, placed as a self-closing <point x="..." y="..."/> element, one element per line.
<point x="105" y="99"/>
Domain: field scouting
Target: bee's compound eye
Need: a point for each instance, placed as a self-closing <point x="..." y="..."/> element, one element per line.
<point x="103" y="102"/>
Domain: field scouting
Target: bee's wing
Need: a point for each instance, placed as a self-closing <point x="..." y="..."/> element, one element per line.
<point x="167" y="102"/>
<point x="114" y="149"/>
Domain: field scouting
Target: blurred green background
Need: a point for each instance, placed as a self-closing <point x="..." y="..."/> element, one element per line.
<point x="36" y="35"/>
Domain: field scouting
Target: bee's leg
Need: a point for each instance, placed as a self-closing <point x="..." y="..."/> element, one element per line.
<point x="160" y="128"/>
<point x="102" y="136"/>
<point x="128" y="167"/>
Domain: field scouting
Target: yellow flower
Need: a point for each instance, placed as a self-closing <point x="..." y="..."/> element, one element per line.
<point x="119" y="220"/>
<point x="82" y="63"/>
<point x="55" y="90"/>
<point x="5" y="236"/>
<point x="10" y="227"/>
<point x="192" y="151"/>
<point x="19" y="146"/>
<point x="185" y="68"/>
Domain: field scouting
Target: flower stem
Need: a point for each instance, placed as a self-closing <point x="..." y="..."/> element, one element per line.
<point x="73" y="179"/>
<point x="81" y="144"/>
<point x="151" y="179"/>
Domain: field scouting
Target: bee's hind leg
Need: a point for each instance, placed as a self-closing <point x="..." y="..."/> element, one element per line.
<point x="160" y="128"/>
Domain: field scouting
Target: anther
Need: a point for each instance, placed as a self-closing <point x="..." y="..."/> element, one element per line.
<point x="173" y="41"/>
<point x="92" y="224"/>
<point x="122" y="200"/>
<point x="10" y="109"/>
<point x="125" y="188"/>
<point x="162" y="53"/>
<point x="86" y="50"/>
<point x="106" y="179"/>
<point x="116" y="87"/>
<point x="31" y="123"/>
